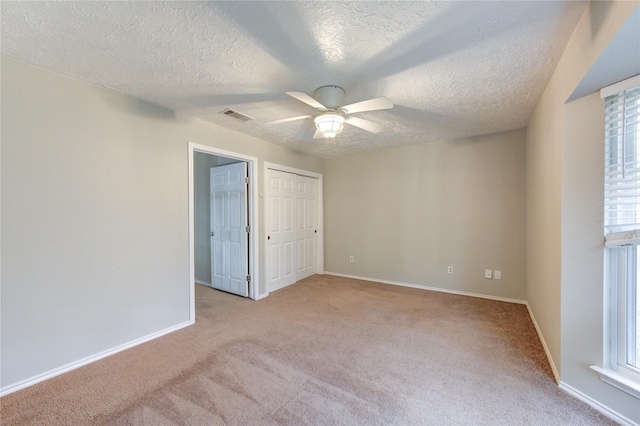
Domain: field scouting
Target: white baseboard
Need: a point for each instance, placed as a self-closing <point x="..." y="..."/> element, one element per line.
<point x="203" y="283"/>
<point x="554" y="370"/>
<point x="422" y="287"/>
<point x="88" y="360"/>
<point x="261" y="296"/>
<point x="597" y="406"/>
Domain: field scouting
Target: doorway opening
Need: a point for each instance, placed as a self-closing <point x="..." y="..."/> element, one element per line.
<point x="222" y="222"/>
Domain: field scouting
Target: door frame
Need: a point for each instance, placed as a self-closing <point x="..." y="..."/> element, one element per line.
<point x="252" y="205"/>
<point x="320" y="204"/>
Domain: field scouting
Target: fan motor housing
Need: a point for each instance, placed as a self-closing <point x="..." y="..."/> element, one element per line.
<point x="330" y="96"/>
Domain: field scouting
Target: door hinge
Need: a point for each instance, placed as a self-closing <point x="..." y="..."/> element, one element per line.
<point x="248" y="229"/>
<point x="248" y="277"/>
<point x="247" y="180"/>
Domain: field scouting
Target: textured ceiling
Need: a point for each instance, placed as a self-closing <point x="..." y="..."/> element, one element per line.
<point x="452" y="69"/>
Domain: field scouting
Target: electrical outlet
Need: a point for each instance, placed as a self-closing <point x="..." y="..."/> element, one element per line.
<point x="488" y="274"/>
<point x="351" y="259"/>
<point x="449" y="269"/>
<point x="497" y="275"/>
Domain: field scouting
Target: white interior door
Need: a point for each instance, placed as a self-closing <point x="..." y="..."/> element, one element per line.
<point x="229" y="232"/>
<point x="306" y="226"/>
<point x="281" y="231"/>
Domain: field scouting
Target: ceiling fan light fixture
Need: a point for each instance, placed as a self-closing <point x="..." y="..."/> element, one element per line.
<point x="329" y="124"/>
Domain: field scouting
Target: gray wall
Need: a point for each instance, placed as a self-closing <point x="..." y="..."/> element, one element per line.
<point x="414" y="211"/>
<point x="95" y="219"/>
<point x="565" y="213"/>
<point x="202" y="164"/>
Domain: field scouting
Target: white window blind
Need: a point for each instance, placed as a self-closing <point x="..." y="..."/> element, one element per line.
<point x="622" y="161"/>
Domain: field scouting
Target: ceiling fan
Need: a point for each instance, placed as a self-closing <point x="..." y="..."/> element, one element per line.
<point x="331" y="116"/>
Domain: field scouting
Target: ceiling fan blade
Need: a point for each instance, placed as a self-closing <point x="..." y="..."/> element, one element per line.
<point x="286" y="120"/>
<point x="303" y="97"/>
<point x="370" y="105"/>
<point x="367" y="125"/>
<point x="318" y="134"/>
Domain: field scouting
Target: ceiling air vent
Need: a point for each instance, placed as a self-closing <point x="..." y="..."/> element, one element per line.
<point x="235" y="114"/>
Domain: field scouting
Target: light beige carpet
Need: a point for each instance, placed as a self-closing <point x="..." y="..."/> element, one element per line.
<point x="325" y="351"/>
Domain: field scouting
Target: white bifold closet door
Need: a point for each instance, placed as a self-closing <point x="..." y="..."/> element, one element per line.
<point x="306" y="226"/>
<point x="292" y="239"/>
<point x="229" y="232"/>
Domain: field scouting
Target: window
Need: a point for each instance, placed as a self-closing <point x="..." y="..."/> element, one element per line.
<point x="622" y="235"/>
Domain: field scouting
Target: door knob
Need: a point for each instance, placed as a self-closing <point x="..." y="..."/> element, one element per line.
<point x="211" y="234"/>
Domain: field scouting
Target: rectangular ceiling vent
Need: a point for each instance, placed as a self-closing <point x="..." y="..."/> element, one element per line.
<point x="235" y="114"/>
